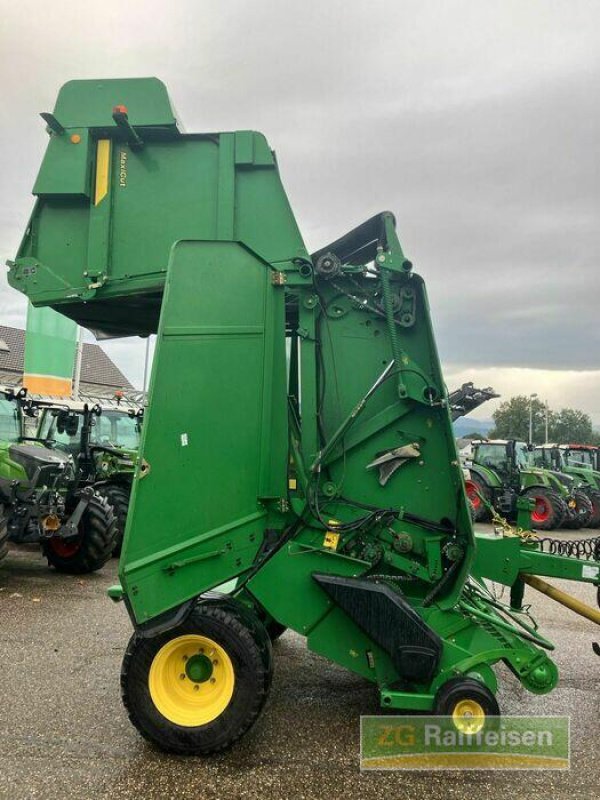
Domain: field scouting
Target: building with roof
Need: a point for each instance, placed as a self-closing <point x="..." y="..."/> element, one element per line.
<point x="100" y="377"/>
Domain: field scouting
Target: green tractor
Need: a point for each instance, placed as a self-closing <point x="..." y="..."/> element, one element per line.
<point x="297" y="441"/>
<point x="584" y="455"/>
<point x="40" y="501"/>
<point x="502" y="470"/>
<point x="578" y="461"/>
<point x="104" y="448"/>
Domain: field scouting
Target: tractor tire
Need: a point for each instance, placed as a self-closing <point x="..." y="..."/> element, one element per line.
<point x="118" y="497"/>
<point x="469" y="703"/>
<point x="582" y="513"/>
<point x="550" y="509"/>
<point x="94" y="546"/>
<point x="594" y="498"/>
<point x="476" y="490"/>
<point x="183" y="703"/>
<point x="3" y="532"/>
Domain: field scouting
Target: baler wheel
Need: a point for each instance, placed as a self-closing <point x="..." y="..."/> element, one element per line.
<point x="470" y="704"/>
<point x="196" y="689"/>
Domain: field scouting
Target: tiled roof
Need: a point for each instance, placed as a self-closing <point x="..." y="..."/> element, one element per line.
<point x="97" y="370"/>
<point x="12" y="361"/>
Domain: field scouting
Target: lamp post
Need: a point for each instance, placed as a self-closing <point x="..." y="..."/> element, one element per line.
<point x="531" y="399"/>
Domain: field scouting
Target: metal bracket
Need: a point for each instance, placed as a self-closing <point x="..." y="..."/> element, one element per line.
<point x="278" y="278"/>
<point x="70" y="528"/>
<point x="391" y="460"/>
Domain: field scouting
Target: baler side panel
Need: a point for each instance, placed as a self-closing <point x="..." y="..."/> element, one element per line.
<point x="220" y="349"/>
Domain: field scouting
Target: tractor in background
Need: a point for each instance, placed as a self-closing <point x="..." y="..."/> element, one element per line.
<point x="103" y="440"/>
<point x="583" y="455"/>
<point x="501" y="471"/>
<point x="578" y="461"/>
<point x="41" y="501"/>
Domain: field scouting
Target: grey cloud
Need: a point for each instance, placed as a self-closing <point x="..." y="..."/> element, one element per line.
<point x="476" y="123"/>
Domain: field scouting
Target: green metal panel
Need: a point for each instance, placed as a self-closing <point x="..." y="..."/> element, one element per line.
<point x="90" y="103"/>
<point x="66" y="166"/>
<point x="215" y="353"/>
<point x="489" y="477"/>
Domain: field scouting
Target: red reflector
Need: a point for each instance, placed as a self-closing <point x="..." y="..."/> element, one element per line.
<point x="120" y="110"/>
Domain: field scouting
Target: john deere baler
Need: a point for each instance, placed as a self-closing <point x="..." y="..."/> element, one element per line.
<point x="298" y="441"/>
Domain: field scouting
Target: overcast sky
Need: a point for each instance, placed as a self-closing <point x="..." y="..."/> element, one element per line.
<point x="477" y="123"/>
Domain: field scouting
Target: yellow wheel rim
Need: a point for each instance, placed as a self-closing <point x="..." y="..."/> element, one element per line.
<point x="191" y="680"/>
<point x="468" y="717"/>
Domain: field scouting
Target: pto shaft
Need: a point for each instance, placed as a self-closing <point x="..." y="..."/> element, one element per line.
<point x="563" y="598"/>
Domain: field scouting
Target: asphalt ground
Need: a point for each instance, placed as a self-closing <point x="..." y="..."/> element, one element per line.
<point x="65" y="734"/>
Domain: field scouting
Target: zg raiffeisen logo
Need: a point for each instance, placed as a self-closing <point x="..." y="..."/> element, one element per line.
<point x="431" y="743"/>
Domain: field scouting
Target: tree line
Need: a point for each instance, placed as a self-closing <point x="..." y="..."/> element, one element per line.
<point x="511" y="421"/>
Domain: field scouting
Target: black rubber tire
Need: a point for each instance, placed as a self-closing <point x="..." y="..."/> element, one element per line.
<point x="253" y="672"/>
<point x="563" y="509"/>
<point x="480" y="511"/>
<point x="3" y="532"/>
<point x="556" y="505"/>
<point x="96" y="543"/>
<point x="457" y="689"/>
<point x="582" y="513"/>
<point x="594" y="497"/>
<point x="118" y="496"/>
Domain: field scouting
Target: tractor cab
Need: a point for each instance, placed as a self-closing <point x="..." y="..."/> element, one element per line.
<point x="118" y="429"/>
<point x="580" y="456"/>
<point x="81" y="426"/>
<point x="506" y="457"/>
<point x="10" y="421"/>
<point x="549" y="456"/>
<point x="60" y="428"/>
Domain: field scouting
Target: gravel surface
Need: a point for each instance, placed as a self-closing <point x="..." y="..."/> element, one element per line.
<point x="65" y="733"/>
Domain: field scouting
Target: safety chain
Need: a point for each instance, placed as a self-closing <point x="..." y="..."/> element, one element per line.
<point x="504" y="525"/>
<point x="574" y="548"/>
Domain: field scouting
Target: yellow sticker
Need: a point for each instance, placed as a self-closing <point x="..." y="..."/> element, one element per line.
<point x="292" y="483"/>
<point x="331" y="540"/>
